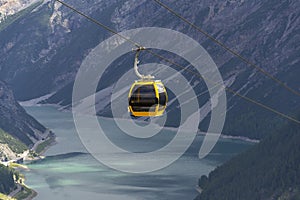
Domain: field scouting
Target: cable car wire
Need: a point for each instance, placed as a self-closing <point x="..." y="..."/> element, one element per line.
<point x="231" y="90"/>
<point x="228" y="49"/>
<point x="176" y="64"/>
<point x="99" y="23"/>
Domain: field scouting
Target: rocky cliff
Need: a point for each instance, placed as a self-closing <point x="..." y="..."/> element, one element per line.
<point x="15" y="121"/>
<point x="11" y="7"/>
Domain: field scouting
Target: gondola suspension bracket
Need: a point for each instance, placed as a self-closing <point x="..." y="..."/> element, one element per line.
<point x="136" y="62"/>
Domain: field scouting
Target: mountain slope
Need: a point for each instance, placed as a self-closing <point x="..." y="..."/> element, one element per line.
<point x="269" y="170"/>
<point x="45" y="48"/>
<point x="10" y="7"/>
<point x="7" y="183"/>
<point x="10" y="147"/>
<point x="15" y="121"/>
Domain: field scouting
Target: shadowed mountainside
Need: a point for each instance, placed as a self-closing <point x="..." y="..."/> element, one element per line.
<point x="15" y="120"/>
<point x="45" y="47"/>
<point x="269" y="170"/>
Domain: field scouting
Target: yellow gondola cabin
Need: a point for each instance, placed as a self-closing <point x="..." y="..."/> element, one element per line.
<point x="147" y="98"/>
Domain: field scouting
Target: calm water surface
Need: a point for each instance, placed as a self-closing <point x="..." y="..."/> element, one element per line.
<point x="70" y="172"/>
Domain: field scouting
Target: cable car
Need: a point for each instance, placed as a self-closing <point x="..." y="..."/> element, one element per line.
<point x="147" y="97"/>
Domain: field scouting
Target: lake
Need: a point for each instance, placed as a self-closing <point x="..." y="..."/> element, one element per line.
<point x="70" y="172"/>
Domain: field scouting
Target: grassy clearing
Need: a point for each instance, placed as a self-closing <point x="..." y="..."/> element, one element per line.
<point x="24" y="193"/>
<point x="18" y="166"/>
<point x="41" y="147"/>
<point x="14" y="144"/>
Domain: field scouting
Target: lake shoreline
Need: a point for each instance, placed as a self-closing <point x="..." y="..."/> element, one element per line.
<point x="225" y="136"/>
<point x="49" y="142"/>
<point x="64" y="169"/>
<point x="34" y="102"/>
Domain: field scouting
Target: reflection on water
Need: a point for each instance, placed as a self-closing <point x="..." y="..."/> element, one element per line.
<point x="70" y="172"/>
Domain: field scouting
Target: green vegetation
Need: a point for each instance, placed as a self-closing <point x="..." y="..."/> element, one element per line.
<point x="14" y="144"/>
<point x="7" y="183"/>
<point x="24" y="193"/>
<point x="8" y="179"/>
<point x="269" y="170"/>
<point x="4" y="197"/>
<point x="17" y="166"/>
<point x="41" y="147"/>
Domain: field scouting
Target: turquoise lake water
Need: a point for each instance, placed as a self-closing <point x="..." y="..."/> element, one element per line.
<point x="70" y="172"/>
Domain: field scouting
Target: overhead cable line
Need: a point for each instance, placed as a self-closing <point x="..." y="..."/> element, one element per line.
<point x="230" y="90"/>
<point x="98" y="23"/>
<point x="176" y="64"/>
<point x="284" y="85"/>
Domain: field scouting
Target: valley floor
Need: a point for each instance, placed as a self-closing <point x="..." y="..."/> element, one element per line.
<point x="22" y="192"/>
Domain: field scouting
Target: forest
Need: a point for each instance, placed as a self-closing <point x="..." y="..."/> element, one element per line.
<point x="7" y="183"/>
<point x="269" y="170"/>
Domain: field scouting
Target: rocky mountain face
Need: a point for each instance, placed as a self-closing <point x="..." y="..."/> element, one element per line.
<point x="44" y="48"/>
<point x="14" y="119"/>
<point x="11" y="7"/>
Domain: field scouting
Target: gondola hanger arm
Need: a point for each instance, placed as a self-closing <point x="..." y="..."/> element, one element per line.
<point x="136" y="62"/>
